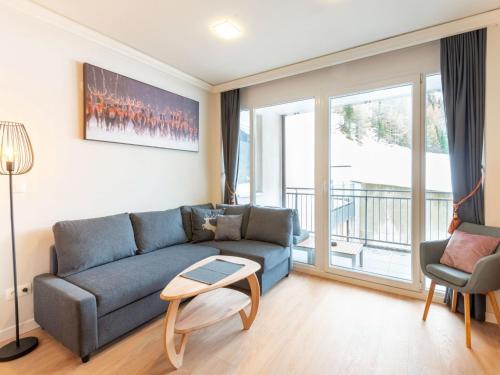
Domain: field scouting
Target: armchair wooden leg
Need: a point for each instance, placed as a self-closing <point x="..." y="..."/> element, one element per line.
<point x="496" y="310"/>
<point x="467" y="319"/>
<point x="454" y="300"/>
<point x="429" y="299"/>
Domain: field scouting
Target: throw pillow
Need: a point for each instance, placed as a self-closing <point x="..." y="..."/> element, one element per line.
<point x="240" y="209"/>
<point x="186" y="218"/>
<point x="464" y="250"/>
<point x="270" y="225"/>
<point x="228" y="228"/>
<point x="204" y="222"/>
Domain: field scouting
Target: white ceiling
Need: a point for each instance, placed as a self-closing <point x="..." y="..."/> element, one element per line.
<point x="275" y="32"/>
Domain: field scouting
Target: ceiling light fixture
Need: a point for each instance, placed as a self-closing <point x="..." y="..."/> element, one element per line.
<point x="226" y="30"/>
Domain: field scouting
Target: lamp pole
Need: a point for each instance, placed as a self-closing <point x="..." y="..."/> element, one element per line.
<point x="10" y="168"/>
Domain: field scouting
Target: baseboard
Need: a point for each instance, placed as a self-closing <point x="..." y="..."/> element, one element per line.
<point x="490" y="317"/>
<point x="438" y="297"/>
<point x="10" y="332"/>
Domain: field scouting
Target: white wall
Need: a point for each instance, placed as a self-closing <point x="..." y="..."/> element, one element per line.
<point x="327" y="81"/>
<point x="492" y="135"/>
<point x="40" y="81"/>
<point x="269" y="193"/>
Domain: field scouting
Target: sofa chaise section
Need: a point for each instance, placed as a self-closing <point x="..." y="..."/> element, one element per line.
<point x="274" y="259"/>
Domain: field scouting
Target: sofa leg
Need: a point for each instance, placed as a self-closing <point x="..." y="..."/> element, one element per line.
<point x="429" y="300"/>
<point x="86" y="358"/>
<point x="494" y="304"/>
<point x="467" y="319"/>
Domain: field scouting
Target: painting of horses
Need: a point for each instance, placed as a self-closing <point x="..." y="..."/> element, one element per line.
<point x="122" y="110"/>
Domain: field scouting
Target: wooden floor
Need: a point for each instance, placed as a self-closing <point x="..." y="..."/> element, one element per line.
<point x="305" y="325"/>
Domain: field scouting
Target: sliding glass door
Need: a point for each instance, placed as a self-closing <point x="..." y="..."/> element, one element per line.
<point x="367" y="170"/>
<point x="373" y="175"/>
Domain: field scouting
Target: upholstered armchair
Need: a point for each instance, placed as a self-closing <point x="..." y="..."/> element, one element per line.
<point x="484" y="279"/>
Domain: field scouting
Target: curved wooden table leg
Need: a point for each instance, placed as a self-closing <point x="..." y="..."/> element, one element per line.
<point x="255" y="297"/>
<point x="174" y="355"/>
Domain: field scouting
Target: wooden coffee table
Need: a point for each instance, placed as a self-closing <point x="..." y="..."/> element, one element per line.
<point x="212" y="303"/>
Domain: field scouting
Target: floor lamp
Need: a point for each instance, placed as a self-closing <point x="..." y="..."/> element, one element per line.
<point x="16" y="157"/>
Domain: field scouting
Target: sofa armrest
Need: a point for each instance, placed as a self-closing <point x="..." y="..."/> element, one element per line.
<point x="431" y="252"/>
<point x="485" y="277"/>
<point x="67" y="312"/>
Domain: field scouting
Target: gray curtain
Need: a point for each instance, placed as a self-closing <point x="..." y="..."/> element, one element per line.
<point x="463" y="65"/>
<point x="230" y="123"/>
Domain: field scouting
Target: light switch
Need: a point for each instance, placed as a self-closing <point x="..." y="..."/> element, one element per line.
<point x="19" y="186"/>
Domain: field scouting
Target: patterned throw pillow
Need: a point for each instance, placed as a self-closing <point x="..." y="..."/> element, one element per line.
<point x="204" y="222"/>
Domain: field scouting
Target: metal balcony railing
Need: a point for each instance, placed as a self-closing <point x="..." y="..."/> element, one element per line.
<point x="375" y="217"/>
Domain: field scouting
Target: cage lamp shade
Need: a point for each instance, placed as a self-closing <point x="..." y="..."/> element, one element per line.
<point x="16" y="153"/>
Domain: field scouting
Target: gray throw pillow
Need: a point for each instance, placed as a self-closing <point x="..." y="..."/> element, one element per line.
<point x="82" y="244"/>
<point x="158" y="229"/>
<point x="270" y="225"/>
<point x="228" y="227"/>
<point x="241" y="209"/>
<point x="186" y="218"/>
<point x="204" y="222"/>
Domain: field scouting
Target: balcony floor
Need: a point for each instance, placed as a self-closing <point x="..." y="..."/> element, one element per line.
<point x="383" y="262"/>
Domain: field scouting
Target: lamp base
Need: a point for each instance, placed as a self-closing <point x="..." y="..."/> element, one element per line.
<point x="11" y="351"/>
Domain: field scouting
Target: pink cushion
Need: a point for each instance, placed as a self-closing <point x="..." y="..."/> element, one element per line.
<point x="464" y="250"/>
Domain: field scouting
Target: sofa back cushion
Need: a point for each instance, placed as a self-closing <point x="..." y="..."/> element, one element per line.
<point x="204" y="223"/>
<point x="272" y="225"/>
<point x="241" y="209"/>
<point x="158" y="229"/>
<point x="186" y="218"/>
<point x="82" y="244"/>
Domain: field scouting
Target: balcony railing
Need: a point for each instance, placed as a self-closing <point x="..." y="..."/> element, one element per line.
<point x="375" y="217"/>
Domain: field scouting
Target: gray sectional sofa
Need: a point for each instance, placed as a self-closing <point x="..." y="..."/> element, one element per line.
<point x="106" y="274"/>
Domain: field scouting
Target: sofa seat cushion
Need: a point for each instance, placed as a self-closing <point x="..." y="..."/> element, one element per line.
<point x="125" y="281"/>
<point x="268" y="255"/>
<point x="451" y="275"/>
